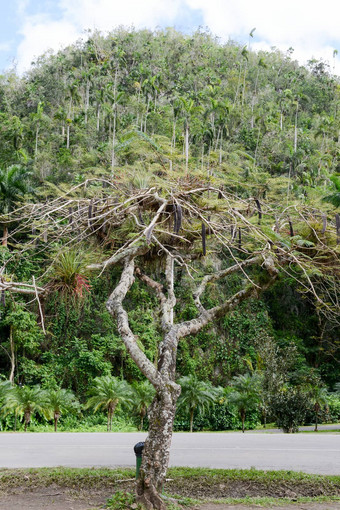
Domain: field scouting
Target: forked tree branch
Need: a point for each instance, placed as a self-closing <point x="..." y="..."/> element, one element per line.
<point x="115" y="307"/>
<point x="194" y="325"/>
<point x="219" y="275"/>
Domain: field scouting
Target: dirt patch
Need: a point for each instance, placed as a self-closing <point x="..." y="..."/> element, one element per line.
<point x="56" y="498"/>
<point x="53" y="498"/>
<point x="199" y="488"/>
<point x="58" y="489"/>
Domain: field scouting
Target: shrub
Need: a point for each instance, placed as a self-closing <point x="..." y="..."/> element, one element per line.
<point x="290" y="406"/>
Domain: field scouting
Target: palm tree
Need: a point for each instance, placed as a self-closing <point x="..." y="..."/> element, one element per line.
<point x="25" y="401"/>
<point x="196" y="396"/>
<point x="37" y="119"/>
<point x="5" y="388"/>
<point x="13" y="185"/>
<point x="319" y="400"/>
<point x="189" y="109"/>
<point x="245" y="393"/>
<point x="143" y="393"/>
<point x="58" y="402"/>
<point x="107" y="392"/>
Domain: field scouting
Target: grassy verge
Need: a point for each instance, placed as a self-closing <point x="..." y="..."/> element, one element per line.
<point x="187" y="486"/>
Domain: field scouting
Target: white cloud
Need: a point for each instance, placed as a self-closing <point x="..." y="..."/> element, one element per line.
<point x="41" y="33"/>
<point x="5" y="46"/>
<point x="310" y="28"/>
<point x="106" y="14"/>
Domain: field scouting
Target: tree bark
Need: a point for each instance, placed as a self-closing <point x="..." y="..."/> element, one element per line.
<point x="186" y="147"/>
<point x="109" y="420"/>
<point x="316" y="410"/>
<point x="243" y="417"/>
<point x="5" y="237"/>
<point x="157" y="447"/>
<point x="110" y="413"/>
<point x="27" y="415"/>
<point x="12" y="347"/>
<point x="56" y="419"/>
<point x="191" y="419"/>
<point x="162" y="411"/>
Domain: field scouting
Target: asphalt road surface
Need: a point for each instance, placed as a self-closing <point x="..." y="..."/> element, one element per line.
<point x="310" y="453"/>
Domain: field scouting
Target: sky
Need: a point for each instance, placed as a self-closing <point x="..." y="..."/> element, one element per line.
<point x="28" y="28"/>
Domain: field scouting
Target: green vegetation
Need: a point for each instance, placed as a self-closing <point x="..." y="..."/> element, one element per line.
<point x="245" y="394"/>
<point x="196" y="396"/>
<point x="107" y="392"/>
<point x="101" y="123"/>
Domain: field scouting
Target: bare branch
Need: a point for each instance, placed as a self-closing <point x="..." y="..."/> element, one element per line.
<point x="222" y="274"/>
<point x="115" y="307"/>
<point x="129" y="252"/>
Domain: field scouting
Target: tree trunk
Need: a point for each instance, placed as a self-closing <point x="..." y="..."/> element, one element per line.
<point x="56" y="418"/>
<point x="98" y="117"/>
<point x="11" y="341"/>
<point x="220" y="156"/>
<point x="111" y="412"/>
<point x="191" y="419"/>
<point x="243" y="417"/>
<point x="36" y="140"/>
<point x="109" y="420"/>
<point x="156" y="452"/>
<point x="113" y="142"/>
<point x="316" y="410"/>
<point x="5" y="237"/>
<point x="186" y="148"/>
<point x="87" y="99"/>
<point x="162" y="411"/>
<point x="27" y="419"/>
<point x="296" y="128"/>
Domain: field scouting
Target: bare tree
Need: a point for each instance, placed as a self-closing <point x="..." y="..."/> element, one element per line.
<point x="137" y="226"/>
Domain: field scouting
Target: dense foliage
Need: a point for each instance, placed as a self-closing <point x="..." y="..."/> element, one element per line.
<point x="135" y="108"/>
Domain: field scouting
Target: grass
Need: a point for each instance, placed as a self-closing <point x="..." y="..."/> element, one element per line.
<point x="249" y="474"/>
<point x="264" y="502"/>
<point x="65" y="477"/>
<point x="328" y="431"/>
<point x="98" y="424"/>
<point x="188" y="485"/>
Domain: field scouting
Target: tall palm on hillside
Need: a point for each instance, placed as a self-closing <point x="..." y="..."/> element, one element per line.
<point x="58" y="402"/>
<point x="106" y="393"/>
<point x="143" y="393"/>
<point x="25" y="402"/>
<point x="196" y="396"/>
<point x="13" y="185"/>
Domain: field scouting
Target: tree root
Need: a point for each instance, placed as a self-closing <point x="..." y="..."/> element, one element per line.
<point x="150" y="498"/>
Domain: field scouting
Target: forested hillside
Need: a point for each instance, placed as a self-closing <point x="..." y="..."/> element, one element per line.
<point x="135" y="111"/>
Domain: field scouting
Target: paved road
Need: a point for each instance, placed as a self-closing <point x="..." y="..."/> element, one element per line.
<point x="304" y="428"/>
<point x="303" y="452"/>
